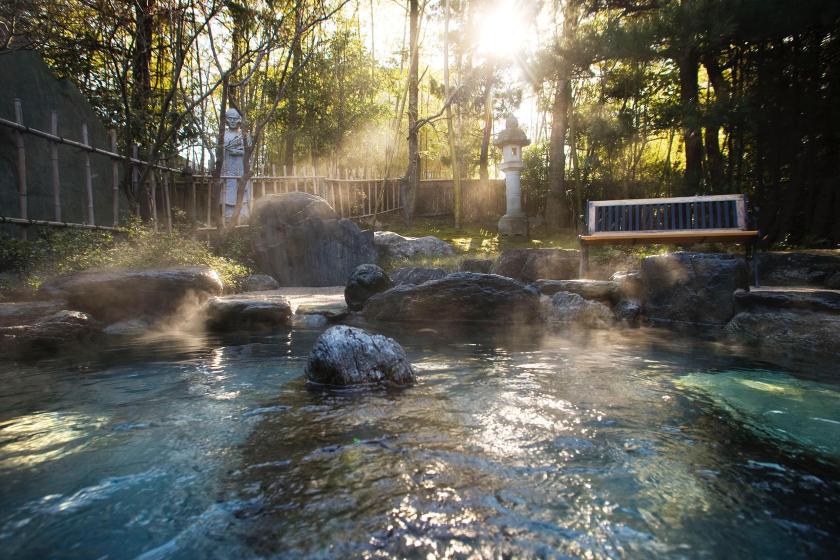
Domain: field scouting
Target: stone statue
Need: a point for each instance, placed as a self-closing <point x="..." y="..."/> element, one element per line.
<point x="234" y="152"/>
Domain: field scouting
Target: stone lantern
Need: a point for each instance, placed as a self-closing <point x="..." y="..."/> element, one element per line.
<point x="511" y="140"/>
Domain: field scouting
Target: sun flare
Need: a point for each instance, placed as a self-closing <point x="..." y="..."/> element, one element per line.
<point x="501" y="33"/>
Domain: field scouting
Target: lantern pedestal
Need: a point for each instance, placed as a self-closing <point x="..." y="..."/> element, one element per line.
<point x="511" y="140"/>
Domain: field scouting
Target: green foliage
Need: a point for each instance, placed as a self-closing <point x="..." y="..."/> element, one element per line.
<point x="59" y="252"/>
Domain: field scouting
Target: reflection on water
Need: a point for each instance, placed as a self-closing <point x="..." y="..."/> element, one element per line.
<point x="595" y="447"/>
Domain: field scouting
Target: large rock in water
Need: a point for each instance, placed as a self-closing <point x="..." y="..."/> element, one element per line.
<point x="567" y="309"/>
<point x="351" y="356"/>
<point x="416" y="275"/>
<point x="25" y="312"/>
<point x="253" y="311"/>
<point x="300" y="241"/>
<point x="394" y="246"/>
<point x="529" y="265"/>
<point x="601" y="290"/>
<point x="458" y="297"/>
<point x="59" y="331"/>
<point x="695" y="288"/>
<point x="259" y="283"/>
<point x="366" y="280"/>
<point x="115" y="295"/>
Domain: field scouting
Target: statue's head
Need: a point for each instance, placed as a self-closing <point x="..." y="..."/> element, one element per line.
<point x="232" y="118"/>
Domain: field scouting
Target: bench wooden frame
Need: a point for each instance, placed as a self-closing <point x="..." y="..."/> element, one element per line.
<point x="690" y="219"/>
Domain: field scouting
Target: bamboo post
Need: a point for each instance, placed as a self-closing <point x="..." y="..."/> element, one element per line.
<point x="153" y="198"/>
<point x="167" y="201"/>
<point x="190" y="179"/>
<point x="88" y="176"/>
<point x="135" y="172"/>
<point x="274" y="178"/>
<point x="209" y="202"/>
<point x="56" y="178"/>
<point x="294" y="174"/>
<point x="115" y="179"/>
<point x="21" y="161"/>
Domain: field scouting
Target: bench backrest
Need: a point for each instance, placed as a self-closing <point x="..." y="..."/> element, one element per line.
<point x="716" y="212"/>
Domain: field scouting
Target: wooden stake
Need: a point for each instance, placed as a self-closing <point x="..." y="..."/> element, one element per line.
<point x="56" y="178"/>
<point x="115" y="180"/>
<point x="167" y="202"/>
<point x="23" y="204"/>
<point x="88" y="177"/>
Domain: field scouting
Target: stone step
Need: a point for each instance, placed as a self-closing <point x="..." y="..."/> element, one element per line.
<point x="812" y="299"/>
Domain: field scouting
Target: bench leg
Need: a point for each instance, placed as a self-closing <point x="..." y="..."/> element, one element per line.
<point x="584" y="261"/>
<point x="755" y="262"/>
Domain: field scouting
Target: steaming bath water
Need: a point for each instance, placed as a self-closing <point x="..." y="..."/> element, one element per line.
<point x="604" y="447"/>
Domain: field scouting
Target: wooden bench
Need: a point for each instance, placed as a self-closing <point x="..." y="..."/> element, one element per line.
<point x="690" y="219"/>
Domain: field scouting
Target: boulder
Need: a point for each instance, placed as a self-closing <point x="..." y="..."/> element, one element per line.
<point x="458" y="297"/>
<point x="783" y="268"/>
<point x="26" y="312"/>
<point x="300" y="241"/>
<point x="567" y="309"/>
<point x="59" y="331"/>
<point x="251" y="311"/>
<point x="790" y="298"/>
<point x="392" y="246"/>
<point x="530" y="265"/>
<point x="628" y="312"/>
<point x="694" y="288"/>
<point x="129" y="327"/>
<point x="629" y="283"/>
<point x="787" y="331"/>
<point x="259" y="283"/>
<point x="477" y="265"/>
<point x="416" y="275"/>
<point x="601" y="290"/>
<point x="344" y="356"/>
<point x="366" y="280"/>
<point x="116" y="295"/>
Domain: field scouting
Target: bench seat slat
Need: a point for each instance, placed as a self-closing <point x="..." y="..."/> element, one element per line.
<point x="669" y="237"/>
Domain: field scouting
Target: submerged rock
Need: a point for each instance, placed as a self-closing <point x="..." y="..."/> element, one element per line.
<point x="116" y="295"/>
<point x="458" y="297"/>
<point x="628" y="312"/>
<point x="394" y="246"/>
<point x="301" y="241"/>
<point x="416" y="275"/>
<point x="59" y="331"/>
<point x="787" y="331"/>
<point x="251" y="311"/>
<point x="530" y="265"/>
<point x="366" y="280"/>
<point x="129" y="327"/>
<point x="259" y="283"/>
<point x="566" y="309"/>
<point x="344" y="356"/>
<point x="693" y="288"/>
<point x="25" y="312"/>
<point x="601" y="290"/>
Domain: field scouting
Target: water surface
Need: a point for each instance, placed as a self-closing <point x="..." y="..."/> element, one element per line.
<point x="600" y="447"/>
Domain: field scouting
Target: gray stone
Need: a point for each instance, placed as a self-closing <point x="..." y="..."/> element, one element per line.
<point x="790" y="298"/>
<point x="332" y="311"/>
<point x="309" y="321"/>
<point x="247" y="312"/>
<point x="25" y="312"/>
<point x="300" y="241"/>
<point x="259" y="283"/>
<point x="601" y="290"/>
<point x="392" y="246"/>
<point x="115" y="295"/>
<point x="787" y="331"/>
<point x="344" y="356"/>
<point x="64" y="330"/>
<point x="566" y="309"/>
<point x="530" y="265"/>
<point x="629" y="283"/>
<point x="416" y="275"/>
<point x="459" y="297"/>
<point x="783" y="268"/>
<point x="692" y="288"/>
<point x="833" y="281"/>
<point x="628" y="312"/>
<point x="366" y="280"/>
<point x="477" y="265"/>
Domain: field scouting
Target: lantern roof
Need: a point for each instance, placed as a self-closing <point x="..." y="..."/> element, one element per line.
<point x="512" y="134"/>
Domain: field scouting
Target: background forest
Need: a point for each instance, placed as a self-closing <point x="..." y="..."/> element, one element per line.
<point x="621" y="98"/>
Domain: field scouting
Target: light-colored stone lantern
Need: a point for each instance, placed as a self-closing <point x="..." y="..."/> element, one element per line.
<point x="511" y="140"/>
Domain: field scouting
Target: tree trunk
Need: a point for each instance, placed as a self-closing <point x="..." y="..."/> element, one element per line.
<point x="294" y="121"/>
<point x="411" y="181"/>
<point x="689" y="64"/>
<point x="450" y="131"/>
<point x="484" y="156"/>
<point x="556" y="206"/>
<point x="141" y="82"/>
<point x="714" y="157"/>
